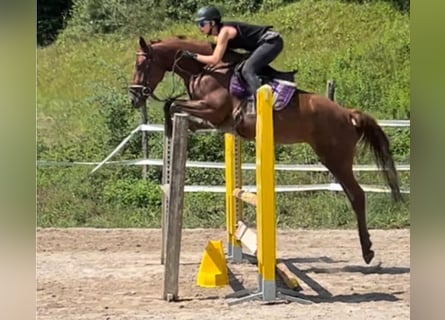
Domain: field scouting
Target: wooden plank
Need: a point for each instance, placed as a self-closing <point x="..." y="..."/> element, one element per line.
<point x="247" y="237"/>
<point x="175" y="207"/>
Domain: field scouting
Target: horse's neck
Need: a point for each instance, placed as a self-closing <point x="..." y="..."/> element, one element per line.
<point x="185" y="67"/>
<point x="204" y="48"/>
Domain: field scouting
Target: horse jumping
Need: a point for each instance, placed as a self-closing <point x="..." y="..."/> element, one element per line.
<point x="330" y="129"/>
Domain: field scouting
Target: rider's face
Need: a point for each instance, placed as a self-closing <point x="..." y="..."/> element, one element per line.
<point x="205" y="26"/>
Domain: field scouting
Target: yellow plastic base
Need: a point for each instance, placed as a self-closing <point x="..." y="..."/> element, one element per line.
<point x="213" y="269"/>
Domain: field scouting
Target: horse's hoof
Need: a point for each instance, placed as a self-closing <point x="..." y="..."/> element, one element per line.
<point x="369" y="256"/>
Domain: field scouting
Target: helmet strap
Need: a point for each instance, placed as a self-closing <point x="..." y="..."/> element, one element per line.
<point x="210" y="32"/>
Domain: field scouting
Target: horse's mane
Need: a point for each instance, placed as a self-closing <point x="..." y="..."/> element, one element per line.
<point x="180" y="39"/>
<point x="184" y="40"/>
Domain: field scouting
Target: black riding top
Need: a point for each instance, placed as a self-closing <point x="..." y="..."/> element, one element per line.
<point x="248" y="35"/>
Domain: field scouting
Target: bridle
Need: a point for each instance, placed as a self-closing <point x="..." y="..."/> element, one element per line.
<point x="144" y="90"/>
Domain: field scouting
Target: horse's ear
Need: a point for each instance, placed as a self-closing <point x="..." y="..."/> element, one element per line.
<point x="143" y="44"/>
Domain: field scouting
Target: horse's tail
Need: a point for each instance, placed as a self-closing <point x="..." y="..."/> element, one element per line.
<point x="374" y="138"/>
<point x="168" y="123"/>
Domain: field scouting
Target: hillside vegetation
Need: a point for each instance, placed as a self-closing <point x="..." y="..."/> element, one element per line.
<point x="84" y="112"/>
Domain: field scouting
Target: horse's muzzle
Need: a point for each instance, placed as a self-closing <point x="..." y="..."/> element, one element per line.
<point x="138" y="95"/>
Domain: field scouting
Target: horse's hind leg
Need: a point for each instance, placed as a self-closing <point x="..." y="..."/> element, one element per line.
<point x="339" y="163"/>
<point x="357" y="198"/>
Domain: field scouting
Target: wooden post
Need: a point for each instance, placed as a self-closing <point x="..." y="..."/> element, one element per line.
<point x="330" y="89"/>
<point x="174" y="191"/>
<point x="144" y="120"/>
<point x="166" y="176"/>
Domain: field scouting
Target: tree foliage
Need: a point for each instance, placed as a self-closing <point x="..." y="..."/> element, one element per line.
<point x="87" y="17"/>
<point x="51" y="19"/>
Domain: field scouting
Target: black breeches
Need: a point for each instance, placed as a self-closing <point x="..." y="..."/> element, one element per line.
<point x="260" y="58"/>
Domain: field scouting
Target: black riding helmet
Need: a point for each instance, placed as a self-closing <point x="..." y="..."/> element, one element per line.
<point x="208" y="13"/>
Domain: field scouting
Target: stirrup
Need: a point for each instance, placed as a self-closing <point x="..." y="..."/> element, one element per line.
<point x="250" y="106"/>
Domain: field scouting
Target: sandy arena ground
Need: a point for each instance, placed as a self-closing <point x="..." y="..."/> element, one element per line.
<point x="116" y="274"/>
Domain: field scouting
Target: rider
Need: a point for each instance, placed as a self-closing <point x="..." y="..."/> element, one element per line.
<point x="262" y="42"/>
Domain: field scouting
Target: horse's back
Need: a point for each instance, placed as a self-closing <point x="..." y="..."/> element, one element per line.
<point x="311" y="117"/>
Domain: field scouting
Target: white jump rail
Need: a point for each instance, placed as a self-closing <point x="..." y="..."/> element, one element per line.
<point x="383" y="123"/>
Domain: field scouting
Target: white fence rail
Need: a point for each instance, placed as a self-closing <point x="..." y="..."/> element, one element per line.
<point x="245" y="166"/>
<point x="218" y="165"/>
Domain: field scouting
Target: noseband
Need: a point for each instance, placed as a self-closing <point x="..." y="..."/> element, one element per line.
<point x="142" y="90"/>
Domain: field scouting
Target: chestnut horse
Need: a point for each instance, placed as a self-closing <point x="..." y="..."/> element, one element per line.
<point x="330" y="129"/>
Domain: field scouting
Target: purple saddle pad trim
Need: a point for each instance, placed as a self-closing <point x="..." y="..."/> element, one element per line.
<point x="282" y="94"/>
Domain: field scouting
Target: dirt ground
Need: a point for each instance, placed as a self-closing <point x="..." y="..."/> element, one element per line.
<point x="116" y="274"/>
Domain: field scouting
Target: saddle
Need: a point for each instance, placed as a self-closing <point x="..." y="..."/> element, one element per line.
<point x="282" y="82"/>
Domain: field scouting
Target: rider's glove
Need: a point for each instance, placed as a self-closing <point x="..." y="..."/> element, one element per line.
<point x="189" y="54"/>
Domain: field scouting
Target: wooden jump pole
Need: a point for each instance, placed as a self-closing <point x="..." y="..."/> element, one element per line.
<point x="173" y="206"/>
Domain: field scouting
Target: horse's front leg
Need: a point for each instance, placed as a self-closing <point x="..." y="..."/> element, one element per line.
<point x="196" y="109"/>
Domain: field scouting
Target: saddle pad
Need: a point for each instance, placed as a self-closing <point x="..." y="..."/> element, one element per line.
<point x="283" y="91"/>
